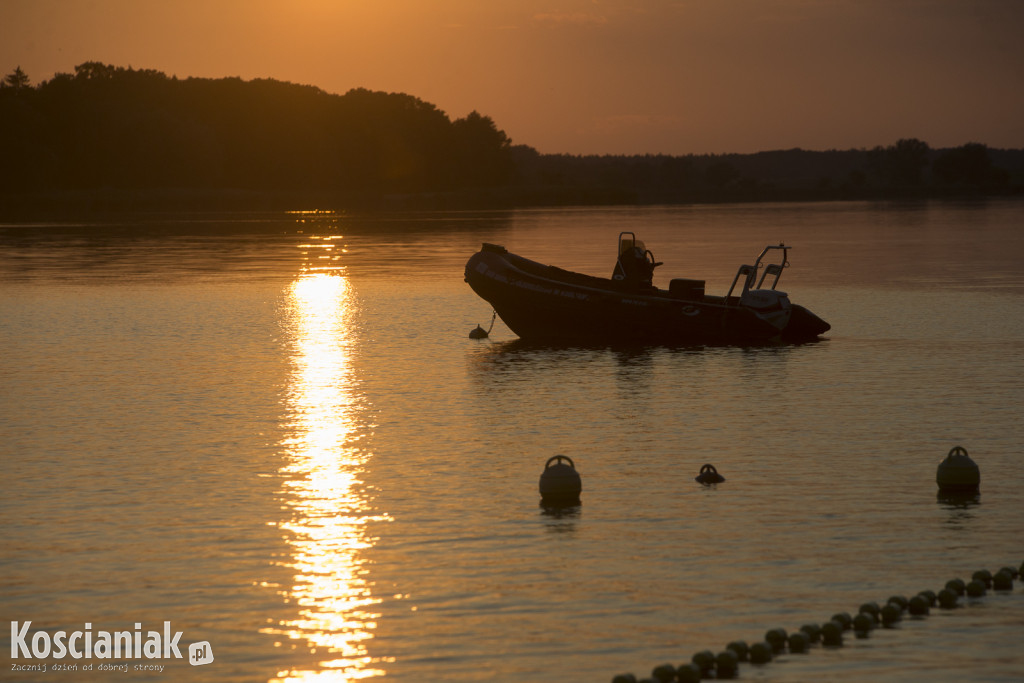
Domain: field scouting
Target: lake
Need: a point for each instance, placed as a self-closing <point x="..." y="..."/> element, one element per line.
<point x="273" y="432"/>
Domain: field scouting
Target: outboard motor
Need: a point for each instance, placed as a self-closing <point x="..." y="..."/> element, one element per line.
<point x="635" y="264"/>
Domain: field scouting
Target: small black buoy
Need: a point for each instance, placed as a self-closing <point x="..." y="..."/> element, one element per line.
<point x="777" y="638"/>
<point x="479" y="332"/>
<point x="900" y="601"/>
<point x="709" y="475"/>
<point x="560" y="482"/>
<point x="918" y="605"/>
<point x="704" y="660"/>
<point x="863" y="623"/>
<point x="727" y="664"/>
<point x="740" y="648"/>
<point x="947" y="598"/>
<point x="813" y="632"/>
<point x="843" y="619"/>
<point x="688" y="673"/>
<point x="832" y="633"/>
<point x="871" y="608"/>
<point x="664" y="673"/>
<point x="958" y="473"/>
<point x="891" y="613"/>
<point x="760" y="653"/>
<point x="983" y="575"/>
<point x="799" y="642"/>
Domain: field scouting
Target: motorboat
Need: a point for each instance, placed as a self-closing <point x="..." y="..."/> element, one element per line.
<point x="546" y="303"/>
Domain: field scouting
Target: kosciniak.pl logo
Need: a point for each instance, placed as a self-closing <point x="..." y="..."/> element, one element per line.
<point x="99" y="644"/>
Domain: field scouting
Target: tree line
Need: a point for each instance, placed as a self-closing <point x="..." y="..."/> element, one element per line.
<point x="113" y="131"/>
<point x="908" y="168"/>
<point x="107" y="127"/>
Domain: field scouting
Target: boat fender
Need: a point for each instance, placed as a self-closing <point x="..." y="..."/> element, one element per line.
<point x="560" y="483"/>
<point x="958" y="473"/>
<point x="709" y="475"/>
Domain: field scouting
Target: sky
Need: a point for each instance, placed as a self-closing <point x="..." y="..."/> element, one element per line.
<point x="589" y="76"/>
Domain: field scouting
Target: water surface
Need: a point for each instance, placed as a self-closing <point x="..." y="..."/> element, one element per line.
<point x="273" y="431"/>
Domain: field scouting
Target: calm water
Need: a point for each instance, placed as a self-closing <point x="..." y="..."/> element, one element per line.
<point x="273" y="432"/>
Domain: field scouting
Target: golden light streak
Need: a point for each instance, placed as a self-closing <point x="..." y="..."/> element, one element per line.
<point x="327" y="510"/>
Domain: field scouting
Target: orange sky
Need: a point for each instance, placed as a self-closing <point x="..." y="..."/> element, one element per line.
<point x="590" y="76"/>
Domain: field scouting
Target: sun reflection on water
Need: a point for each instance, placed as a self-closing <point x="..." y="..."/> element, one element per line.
<point x="325" y="504"/>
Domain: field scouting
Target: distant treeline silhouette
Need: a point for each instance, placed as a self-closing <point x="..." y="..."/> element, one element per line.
<point x="129" y="137"/>
<point x="906" y="169"/>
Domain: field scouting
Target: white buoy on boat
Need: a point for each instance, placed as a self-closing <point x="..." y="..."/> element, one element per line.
<point x="958" y="473"/>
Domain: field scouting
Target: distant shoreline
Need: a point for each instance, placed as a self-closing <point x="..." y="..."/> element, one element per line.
<point x="109" y="202"/>
<point x="111" y="140"/>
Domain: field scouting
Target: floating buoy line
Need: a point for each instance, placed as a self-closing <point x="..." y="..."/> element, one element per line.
<point x="560" y="487"/>
<point x="706" y="664"/>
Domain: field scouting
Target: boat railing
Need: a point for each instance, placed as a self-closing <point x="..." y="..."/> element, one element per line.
<point x="622" y="241"/>
<point x="749" y="273"/>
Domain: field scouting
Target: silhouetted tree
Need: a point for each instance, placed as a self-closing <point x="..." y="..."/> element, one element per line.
<point x="107" y="126"/>
<point x="480" y="151"/>
<point x="967" y="165"/>
<point x="95" y="71"/>
<point x="16" y="79"/>
<point x="902" y="164"/>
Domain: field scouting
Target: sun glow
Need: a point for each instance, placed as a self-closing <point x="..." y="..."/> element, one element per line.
<point x="325" y="504"/>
